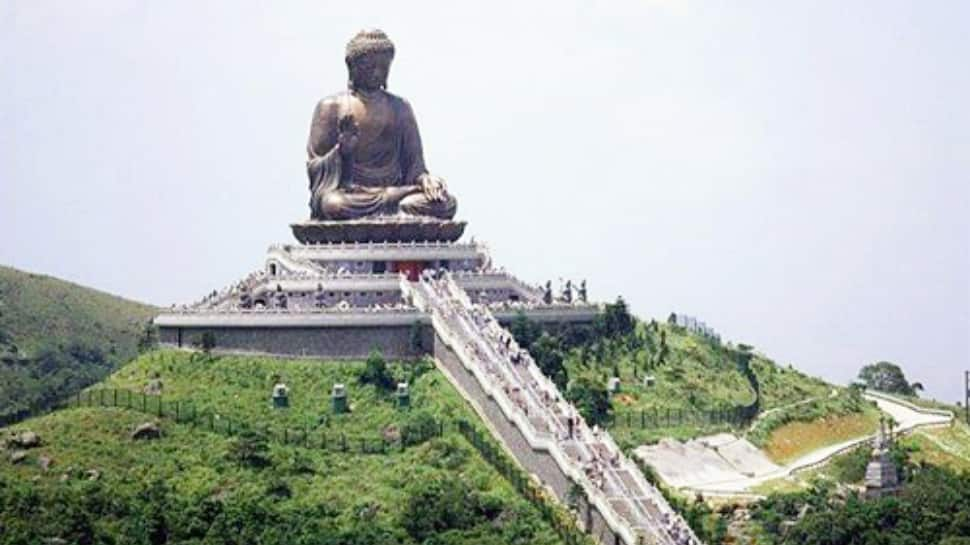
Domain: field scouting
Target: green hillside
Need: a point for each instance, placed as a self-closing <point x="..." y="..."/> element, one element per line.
<point x="932" y="505"/>
<point x="674" y="383"/>
<point x="198" y="486"/>
<point x="56" y="337"/>
<point x="697" y="376"/>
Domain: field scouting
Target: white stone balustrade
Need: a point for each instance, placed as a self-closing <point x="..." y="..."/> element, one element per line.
<point x="631" y="507"/>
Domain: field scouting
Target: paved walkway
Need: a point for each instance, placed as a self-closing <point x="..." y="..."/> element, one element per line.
<point x="907" y="416"/>
<point x="769" y="412"/>
<point x="634" y="510"/>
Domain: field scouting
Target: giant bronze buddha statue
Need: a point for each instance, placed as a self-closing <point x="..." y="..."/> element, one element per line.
<point x="364" y="152"/>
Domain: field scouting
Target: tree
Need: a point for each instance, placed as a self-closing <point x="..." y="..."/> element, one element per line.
<point x="250" y="448"/>
<point x="419" y="426"/>
<point x="663" y="352"/>
<point x="205" y="342"/>
<point x="887" y="377"/>
<point x="591" y="399"/>
<point x="524" y="330"/>
<point x="152" y="522"/>
<point x="617" y="319"/>
<point x="375" y="372"/>
<point x="573" y="335"/>
<point x="548" y="354"/>
<point x="437" y="504"/>
<point x="414" y="337"/>
<point x="148" y="340"/>
<point x="599" y="351"/>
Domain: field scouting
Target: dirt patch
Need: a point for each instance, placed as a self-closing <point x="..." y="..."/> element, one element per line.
<point x="625" y="399"/>
<point x="795" y="439"/>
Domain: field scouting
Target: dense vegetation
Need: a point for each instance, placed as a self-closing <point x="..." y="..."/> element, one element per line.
<point x="665" y="371"/>
<point x="846" y="408"/>
<point x="57" y="337"/>
<point x="888" y="377"/>
<point x="90" y="482"/>
<point x="933" y="506"/>
<point x="193" y="486"/>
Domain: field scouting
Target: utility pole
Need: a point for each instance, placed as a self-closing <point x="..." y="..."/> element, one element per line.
<point x="966" y="395"/>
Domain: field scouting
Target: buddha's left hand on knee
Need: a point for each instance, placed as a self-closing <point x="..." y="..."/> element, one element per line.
<point x="433" y="187"/>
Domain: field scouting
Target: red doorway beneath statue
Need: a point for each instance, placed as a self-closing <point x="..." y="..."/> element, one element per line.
<point x="411" y="268"/>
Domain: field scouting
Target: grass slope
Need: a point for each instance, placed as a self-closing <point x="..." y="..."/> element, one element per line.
<point x="947" y="447"/>
<point x="56" y="337"/>
<point x="304" y="495"/>
<point x="795" y="439"/>
<point x="698" y="375"/>
<point x="240" y="386"/>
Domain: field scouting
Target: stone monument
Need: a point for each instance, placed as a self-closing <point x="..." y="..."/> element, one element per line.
<point x="379" y="265"/>
<point x="378" y="219"/>
<point x="881" y="478"/>
<point x="365" y="162"/>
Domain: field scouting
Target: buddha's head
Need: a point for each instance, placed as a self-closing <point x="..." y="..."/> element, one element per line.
<point x="369" y="56"/>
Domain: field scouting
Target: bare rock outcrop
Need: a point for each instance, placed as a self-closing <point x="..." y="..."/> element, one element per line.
<point x="24" y="440"/>
<point x="147" y="430"/>
<point x="45" y="462"/>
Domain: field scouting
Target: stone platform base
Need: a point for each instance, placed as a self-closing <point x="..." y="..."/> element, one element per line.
<point x="379" y="229"/>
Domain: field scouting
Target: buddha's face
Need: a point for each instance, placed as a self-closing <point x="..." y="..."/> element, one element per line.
<point x="369" y="72"/>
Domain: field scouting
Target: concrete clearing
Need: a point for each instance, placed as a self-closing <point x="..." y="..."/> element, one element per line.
<point x="723" y="464"/>
<point x="706" y="460"/>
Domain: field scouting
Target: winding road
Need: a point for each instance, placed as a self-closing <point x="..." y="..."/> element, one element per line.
<point x="907" y="416"/>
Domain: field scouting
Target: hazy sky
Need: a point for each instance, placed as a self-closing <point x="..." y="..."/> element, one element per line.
<point x="795" y="174"/>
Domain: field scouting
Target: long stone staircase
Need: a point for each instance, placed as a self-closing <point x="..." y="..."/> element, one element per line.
<point x="544" y="432"/>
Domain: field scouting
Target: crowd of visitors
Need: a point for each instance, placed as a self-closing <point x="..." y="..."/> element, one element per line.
<point x="608" y="473"/>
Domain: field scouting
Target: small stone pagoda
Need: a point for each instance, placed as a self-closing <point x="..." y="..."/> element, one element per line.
<point x="378" y="218"/>
<point x="881" y="477"/>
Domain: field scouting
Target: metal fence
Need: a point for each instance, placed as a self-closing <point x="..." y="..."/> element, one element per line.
<point x="184" y="412"/>
<point x="557" y="517"/>
<point x="673" y="417"/>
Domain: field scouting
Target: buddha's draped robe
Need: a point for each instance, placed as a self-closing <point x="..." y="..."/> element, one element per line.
<point x="387" y="157"/>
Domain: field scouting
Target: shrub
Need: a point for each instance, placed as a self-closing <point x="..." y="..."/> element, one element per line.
<point x="617" y="320"/>
<point x="591" y="399"/>
<point x="436" y="505"/>
<point x="250" y="449"/>
<point x="148" y="340"/>
<point x="375" y="372"/>
<point x="419" y="426"/>
<point x="205" y="342"/>
<point x="548" y="355"/>
<point x="524" y="330"/>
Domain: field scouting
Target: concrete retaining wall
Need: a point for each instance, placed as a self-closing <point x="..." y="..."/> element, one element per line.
<point x="325" y="335"/>
<point x="394" y="342"/>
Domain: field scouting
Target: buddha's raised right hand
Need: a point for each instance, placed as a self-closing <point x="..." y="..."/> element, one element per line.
<point x="347" y="135"/>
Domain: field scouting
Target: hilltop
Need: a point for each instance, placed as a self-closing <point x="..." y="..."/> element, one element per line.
<point x="57" y="337"/>
<point x="227" y="459"/>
